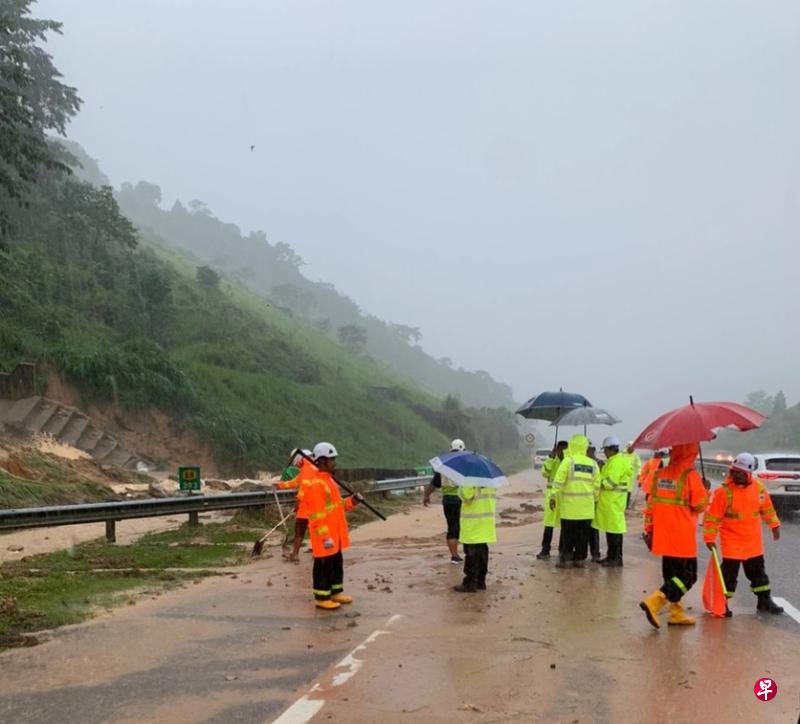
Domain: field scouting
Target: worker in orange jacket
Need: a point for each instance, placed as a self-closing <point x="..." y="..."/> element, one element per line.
<point x="737" y="509"/>
<point x="649" y="469"/>
<point x="322" y="503"/>
<point x="677" y="496"/>
<point x="290" y="480"/>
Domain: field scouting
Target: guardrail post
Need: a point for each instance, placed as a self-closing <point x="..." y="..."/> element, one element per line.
<point x="194" y="519"/>
<point x="111" y="531"/>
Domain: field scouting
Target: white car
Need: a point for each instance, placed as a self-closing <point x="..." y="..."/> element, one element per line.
<point x="781" y="474"/>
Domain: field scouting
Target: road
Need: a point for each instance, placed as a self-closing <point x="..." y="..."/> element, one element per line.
<point x="541" y="644"/>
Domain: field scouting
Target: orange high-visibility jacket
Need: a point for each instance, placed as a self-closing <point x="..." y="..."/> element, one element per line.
<point x="676" y="498"/>
<point x="322" y="504"/>
<point x="736" y="513"/>
<point x="647" y="472"/>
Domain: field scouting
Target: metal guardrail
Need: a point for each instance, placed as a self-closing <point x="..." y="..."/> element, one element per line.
<point x="193" y="505"/>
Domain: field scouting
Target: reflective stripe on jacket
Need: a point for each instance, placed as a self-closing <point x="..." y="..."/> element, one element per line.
<point x="477" y="515"/>
<point x="736" y="513"/>
<point x="676" y="499"/>
<point x="609" y="515"/>
<point x="322" y="503"/>
<point x="576" y="481"/>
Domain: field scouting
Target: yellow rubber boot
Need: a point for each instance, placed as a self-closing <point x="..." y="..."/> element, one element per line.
<point x="327" y="604"/>
<point x="341" y="598"/>
<point x="652" y="606"/>
<point x="678" y="617"/>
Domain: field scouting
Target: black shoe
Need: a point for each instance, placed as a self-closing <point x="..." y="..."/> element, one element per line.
<point x="578" y="564"/>
<point x="611" y="563"/>
<point x="461" y="588"/>
<point x="543" y="556"/>
<point x="563" y="563"/>
<point x="456" y="559"/>
<point x="596" y="559"/>
<point x="481" y="586"/>
<point x="767" y="605"/>
<point x="728" y="613"/>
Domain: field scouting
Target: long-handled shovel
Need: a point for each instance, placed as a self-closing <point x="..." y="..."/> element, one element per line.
<point x="347" y="490"/>
<point x="258" y="547"/>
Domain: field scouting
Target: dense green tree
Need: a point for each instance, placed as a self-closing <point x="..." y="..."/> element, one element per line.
<point x="353" y="337"/>
<point x="33" y="102"/>
<point x="761" y="401"/>
<point x="207" y="277"/>
<point x="779" y="404"/>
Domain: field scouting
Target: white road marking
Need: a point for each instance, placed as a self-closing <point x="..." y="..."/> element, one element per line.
<point x="305" y="708"/>
<point x="788" y="609"/>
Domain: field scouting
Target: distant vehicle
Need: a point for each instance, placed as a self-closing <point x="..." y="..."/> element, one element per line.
<point x="781" y="474"/>
<point x="540" y="455"/>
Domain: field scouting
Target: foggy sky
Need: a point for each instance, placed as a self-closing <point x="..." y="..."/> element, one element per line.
<point x="602" y="196"/>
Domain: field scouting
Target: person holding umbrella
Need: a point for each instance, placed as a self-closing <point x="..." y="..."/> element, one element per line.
<point x="677" y="497"/>
<point x="477" y="478"/>
<point x="575" y="493"/>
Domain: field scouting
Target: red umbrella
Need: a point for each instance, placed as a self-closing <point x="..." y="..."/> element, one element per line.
<point x="696" y="423"/>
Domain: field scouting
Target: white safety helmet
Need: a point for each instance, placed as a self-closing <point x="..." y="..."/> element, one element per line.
<point x="324" y="450"/>
<point x="611" y="441"/>
<point x="297" y="460"/>
<point x="745" y="462"/>
<point x="458" y="445"/>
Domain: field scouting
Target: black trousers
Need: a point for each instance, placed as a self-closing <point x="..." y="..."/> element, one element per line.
<point x="575" y="536"/>
<point x="594" y="542"/>
<point x="754" y="569"/>
<point x="328" y="576"/>
<point x="614" y="541"/>
<point x="680" y="574"/>
<point x="452" y="514"/>
<point x="476" y="564"/>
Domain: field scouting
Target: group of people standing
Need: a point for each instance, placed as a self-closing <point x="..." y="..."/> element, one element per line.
<point x="584" y="497"/>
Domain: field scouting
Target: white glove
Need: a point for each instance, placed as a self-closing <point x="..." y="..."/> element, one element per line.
<point x="327" y="543"/>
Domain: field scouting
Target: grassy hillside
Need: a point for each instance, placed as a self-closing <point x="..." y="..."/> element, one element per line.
<point x="273" y="272"/>
<point x="125" y="325"/>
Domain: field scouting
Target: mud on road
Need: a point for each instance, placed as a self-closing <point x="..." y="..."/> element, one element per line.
<point x="540" y="645"/>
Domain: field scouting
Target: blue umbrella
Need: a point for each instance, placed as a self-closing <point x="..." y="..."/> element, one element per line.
<point x="552" y="405"/>
<point x="469" y="468"/>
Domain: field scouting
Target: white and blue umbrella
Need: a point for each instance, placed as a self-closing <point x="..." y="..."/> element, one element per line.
<point x="469" y="469"/>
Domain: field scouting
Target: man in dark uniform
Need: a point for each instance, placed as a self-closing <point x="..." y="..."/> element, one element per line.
<point x="451" y="504"/>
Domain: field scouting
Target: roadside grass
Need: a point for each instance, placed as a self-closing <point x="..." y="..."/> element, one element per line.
<point x="46" y="591"/>
<point x="21" y="493"/>
<point x="43" y="592"/>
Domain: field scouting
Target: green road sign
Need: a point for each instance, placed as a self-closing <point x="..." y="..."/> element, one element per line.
<point x="189" y="478"/>
<point x="424" y="470"/>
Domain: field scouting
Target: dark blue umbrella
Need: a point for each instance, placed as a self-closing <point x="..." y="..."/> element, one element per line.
<point x="552" y="405"/>
<point x="469" y="468"/>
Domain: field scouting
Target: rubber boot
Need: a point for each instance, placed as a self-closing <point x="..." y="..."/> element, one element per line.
<point x="767" y="605"/>
<point x="341" y="598"/>
<point x="652" y="606"/>
<point x="678" y="617"/>
<point x="327" y="604"/>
